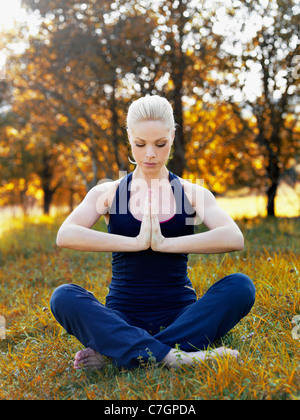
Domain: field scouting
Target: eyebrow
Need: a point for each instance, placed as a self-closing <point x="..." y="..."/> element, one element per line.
<point x="162" y="138"/>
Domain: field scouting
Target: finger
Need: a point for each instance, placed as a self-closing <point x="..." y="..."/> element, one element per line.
<point x="155" y="225"/>
<point x="147" y="209"/>
<point x="154" y="207"/>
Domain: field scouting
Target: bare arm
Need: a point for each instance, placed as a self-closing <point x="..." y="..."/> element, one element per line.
<point x="223" y="235"/>
<point x="76" y="233"/>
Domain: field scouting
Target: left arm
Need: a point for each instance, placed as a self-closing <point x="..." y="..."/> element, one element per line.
<point x="223" y="235"/>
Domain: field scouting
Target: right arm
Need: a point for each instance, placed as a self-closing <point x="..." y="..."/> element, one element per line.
<point x="76" y="233"/>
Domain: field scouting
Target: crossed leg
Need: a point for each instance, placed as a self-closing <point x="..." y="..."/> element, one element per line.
<point x="104" y="331"/>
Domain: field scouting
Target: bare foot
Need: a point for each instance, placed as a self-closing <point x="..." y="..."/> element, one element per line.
<point x="223" y="351"/>
<point x="89" y="358"/>
<point x="176" y="358"/>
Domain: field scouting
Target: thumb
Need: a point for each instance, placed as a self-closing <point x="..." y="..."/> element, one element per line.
<point x="147" y="206"/>
<point x="154" y="207"/>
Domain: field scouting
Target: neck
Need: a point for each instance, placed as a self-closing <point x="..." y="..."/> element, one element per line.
<point x="148" y="176"/>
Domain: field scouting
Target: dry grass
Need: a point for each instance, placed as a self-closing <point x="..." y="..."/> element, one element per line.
<point x="37" y="355"/>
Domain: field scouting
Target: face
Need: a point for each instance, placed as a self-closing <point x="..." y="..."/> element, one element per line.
<point x="151" y="143"/>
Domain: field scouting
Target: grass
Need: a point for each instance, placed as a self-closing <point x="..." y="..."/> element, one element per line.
<point x="36" y="356"/>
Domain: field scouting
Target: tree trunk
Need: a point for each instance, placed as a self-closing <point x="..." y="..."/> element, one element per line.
<point x="178" y="162"/>
<point x="115" y="128"/>
<point x="273" y="172"/>
<point x="46" y="175"/>
<point x="271" y="194"/>
<point x="48" y="194"/>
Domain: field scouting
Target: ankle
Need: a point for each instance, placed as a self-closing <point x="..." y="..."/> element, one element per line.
<point x="174" y="358"/>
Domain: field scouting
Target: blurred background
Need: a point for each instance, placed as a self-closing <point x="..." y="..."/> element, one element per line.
<point x="69" y="70"/>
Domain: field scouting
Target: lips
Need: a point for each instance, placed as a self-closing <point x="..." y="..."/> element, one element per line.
<point x="150" y="164"/>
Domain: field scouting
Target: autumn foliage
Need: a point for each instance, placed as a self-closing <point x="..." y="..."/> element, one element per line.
<point x="64" y="98"/>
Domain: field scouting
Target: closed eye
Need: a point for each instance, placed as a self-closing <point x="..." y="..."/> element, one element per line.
<point x="158" y="145"/>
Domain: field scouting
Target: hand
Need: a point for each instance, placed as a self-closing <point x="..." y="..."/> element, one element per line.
<point x="144" y="237"/>
<point x="150" y="234"/>
<point x="157" y="239"/>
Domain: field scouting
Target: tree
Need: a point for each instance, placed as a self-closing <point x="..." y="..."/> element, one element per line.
<point x="189" y="51"/>
<point x="69" y="94"/>
<point x="85" y="41"/>
<point x="271" y="52"/>
<point x="70" y="91"/>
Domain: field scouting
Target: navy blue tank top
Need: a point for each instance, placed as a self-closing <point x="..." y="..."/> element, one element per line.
<point x="148" y="280"/>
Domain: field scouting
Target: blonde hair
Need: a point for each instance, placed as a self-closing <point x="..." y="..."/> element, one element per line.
<point x="151" y="108"/>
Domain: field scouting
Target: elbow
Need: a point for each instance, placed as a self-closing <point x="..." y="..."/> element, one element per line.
<point x="239" y="242"/>
<point x="59" y="242"/>
<point x="60" y="239"/>
<point x="235" y="241"/>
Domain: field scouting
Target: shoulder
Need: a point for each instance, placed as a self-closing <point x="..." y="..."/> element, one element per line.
<point x="197" y="193"/>
<point x="103" y="192"/>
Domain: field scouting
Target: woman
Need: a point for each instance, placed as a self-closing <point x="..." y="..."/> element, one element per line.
<point x="151" y="311"/>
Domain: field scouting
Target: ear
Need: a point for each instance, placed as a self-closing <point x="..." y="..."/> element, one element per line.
<point x="173" y="136"/>
<point x="129" y="135"/>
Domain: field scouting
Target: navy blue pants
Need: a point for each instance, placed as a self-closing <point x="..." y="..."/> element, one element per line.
<point x="115" y="335"/>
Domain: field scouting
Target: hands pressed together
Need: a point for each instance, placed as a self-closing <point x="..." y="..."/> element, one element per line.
<point x="150" y="235"/>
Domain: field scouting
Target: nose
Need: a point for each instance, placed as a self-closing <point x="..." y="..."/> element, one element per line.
<point x="150" y="153"/>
